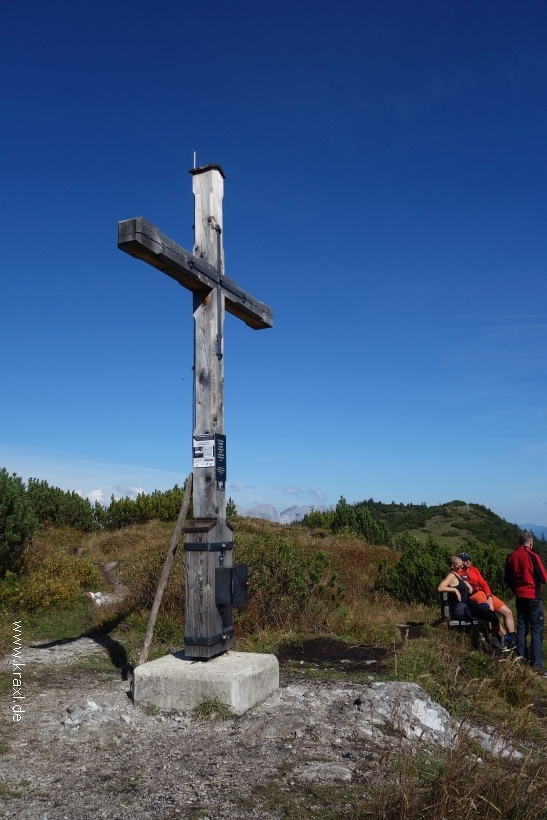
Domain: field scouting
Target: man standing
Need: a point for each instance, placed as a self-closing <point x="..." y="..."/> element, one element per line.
<point x="524" y="575"/>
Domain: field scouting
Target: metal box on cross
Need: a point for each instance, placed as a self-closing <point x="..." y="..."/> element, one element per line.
<point x="213" y="584"/>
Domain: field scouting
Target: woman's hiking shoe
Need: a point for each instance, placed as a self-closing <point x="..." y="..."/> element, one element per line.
<point x="509" y="642"/>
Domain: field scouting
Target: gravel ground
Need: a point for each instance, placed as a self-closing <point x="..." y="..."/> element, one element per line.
<point x="82" y="750"/>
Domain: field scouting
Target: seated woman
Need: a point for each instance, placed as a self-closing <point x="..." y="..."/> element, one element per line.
<point x="465" y="608"/>
<point x="482" y="594"/>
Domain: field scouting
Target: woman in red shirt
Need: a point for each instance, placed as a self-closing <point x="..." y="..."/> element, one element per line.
<point x="482" y="594"/>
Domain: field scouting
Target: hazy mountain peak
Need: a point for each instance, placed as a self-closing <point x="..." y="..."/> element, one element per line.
<point x="287" y="516"/>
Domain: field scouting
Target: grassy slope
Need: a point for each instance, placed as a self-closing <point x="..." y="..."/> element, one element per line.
<point x="140" y="551"/>
<point x="450" y="524"/>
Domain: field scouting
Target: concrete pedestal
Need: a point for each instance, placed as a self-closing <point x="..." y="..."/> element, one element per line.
<point x="240" y="680"/>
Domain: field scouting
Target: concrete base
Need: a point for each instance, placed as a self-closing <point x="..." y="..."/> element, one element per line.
<point x="240" y="680"/>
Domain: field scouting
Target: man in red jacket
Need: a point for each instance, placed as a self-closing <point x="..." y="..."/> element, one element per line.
<point x="524" y="575"/>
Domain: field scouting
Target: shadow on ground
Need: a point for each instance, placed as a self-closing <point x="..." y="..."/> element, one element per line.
<point x="116" y="651"/>
<point x="328" y="653"/>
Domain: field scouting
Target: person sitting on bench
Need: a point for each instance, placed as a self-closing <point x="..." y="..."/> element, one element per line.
<point x="482" y="594"/>
<point x="464" y="609"/>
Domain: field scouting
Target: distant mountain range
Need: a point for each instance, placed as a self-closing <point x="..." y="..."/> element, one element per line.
<point x="287" y="516"/>
<point x="537" y="529"/>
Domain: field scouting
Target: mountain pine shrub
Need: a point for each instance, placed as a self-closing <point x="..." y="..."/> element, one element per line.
<point x="351" y="518"/>
<point x="123" y="512"/>
<point x="289" y="589"/>
<point x="58" y="508"/>
<point x="421" y="567"/>
<point x="17" y="521"/>
<point x="415" y="577"/>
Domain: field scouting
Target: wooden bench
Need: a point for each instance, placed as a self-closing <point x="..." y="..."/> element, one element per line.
<point x="480" y="634"/>
<point x="445" y="598"/>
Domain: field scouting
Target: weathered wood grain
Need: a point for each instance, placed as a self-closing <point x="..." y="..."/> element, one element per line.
<point x="142" y="240"/>
<point x="208" y="188"/>
<point x="203" y="617"/>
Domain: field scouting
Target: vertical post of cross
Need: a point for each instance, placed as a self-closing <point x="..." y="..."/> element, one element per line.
<point x="213" y="584"/>
<point x="208" y="542"/>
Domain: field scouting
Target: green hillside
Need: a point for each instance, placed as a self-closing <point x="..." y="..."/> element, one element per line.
<point x="451" y="524"/>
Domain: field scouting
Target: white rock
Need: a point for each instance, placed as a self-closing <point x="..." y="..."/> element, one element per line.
<point x="406" y="708"/>
<point x="323" y="771"/>
<point x="99" y="597"/>
<point x="495" y="745"/>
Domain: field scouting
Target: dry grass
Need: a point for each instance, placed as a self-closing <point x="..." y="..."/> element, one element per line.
<point x="491" y="690"/>
<point x="211" y="710"/>
<point x="107" y="546"/>
<point x="362" y="615"/>
<point x="455" y="784"/>
<point x="67" y="561"/>
<point x="274" y="614"/>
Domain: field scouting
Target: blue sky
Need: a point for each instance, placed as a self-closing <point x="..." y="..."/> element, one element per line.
<point x="385" y="194"/>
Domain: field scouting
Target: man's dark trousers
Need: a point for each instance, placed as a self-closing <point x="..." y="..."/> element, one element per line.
<point x="530" y="620"/>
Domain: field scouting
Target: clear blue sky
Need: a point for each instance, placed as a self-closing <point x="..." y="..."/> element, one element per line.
<point x="385" y="194"/>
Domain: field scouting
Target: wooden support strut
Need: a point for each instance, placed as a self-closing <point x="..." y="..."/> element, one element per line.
<point x="166" y="570"/>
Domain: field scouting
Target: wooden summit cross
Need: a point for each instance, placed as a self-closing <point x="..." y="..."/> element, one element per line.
<point x="213" y="584"/>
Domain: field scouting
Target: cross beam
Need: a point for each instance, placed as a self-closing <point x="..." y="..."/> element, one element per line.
<point x="141" y="239"/>
<point x="210" y="576"/>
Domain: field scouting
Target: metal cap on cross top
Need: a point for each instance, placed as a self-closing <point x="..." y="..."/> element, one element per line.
<point x="213" y="584"/>
<point x="201" y="169"/>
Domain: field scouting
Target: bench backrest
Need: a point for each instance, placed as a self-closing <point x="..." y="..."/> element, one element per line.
<point x="445" y="598"/>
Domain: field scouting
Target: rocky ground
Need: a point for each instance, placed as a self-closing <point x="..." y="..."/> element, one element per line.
<point x="82" y="750"/>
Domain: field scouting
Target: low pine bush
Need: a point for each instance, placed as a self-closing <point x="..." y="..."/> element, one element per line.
<point x="351" y="518"/>
<point x="17" y="521"/>
<point x="9" y="590"/>
<point x="124" y="512"/>
<point x="289" y="589"/>
<point x="415" y="577"/>
<point x="58" y="578"/>
<point x="420" y="568"/>
<point x="58" y="508"/>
